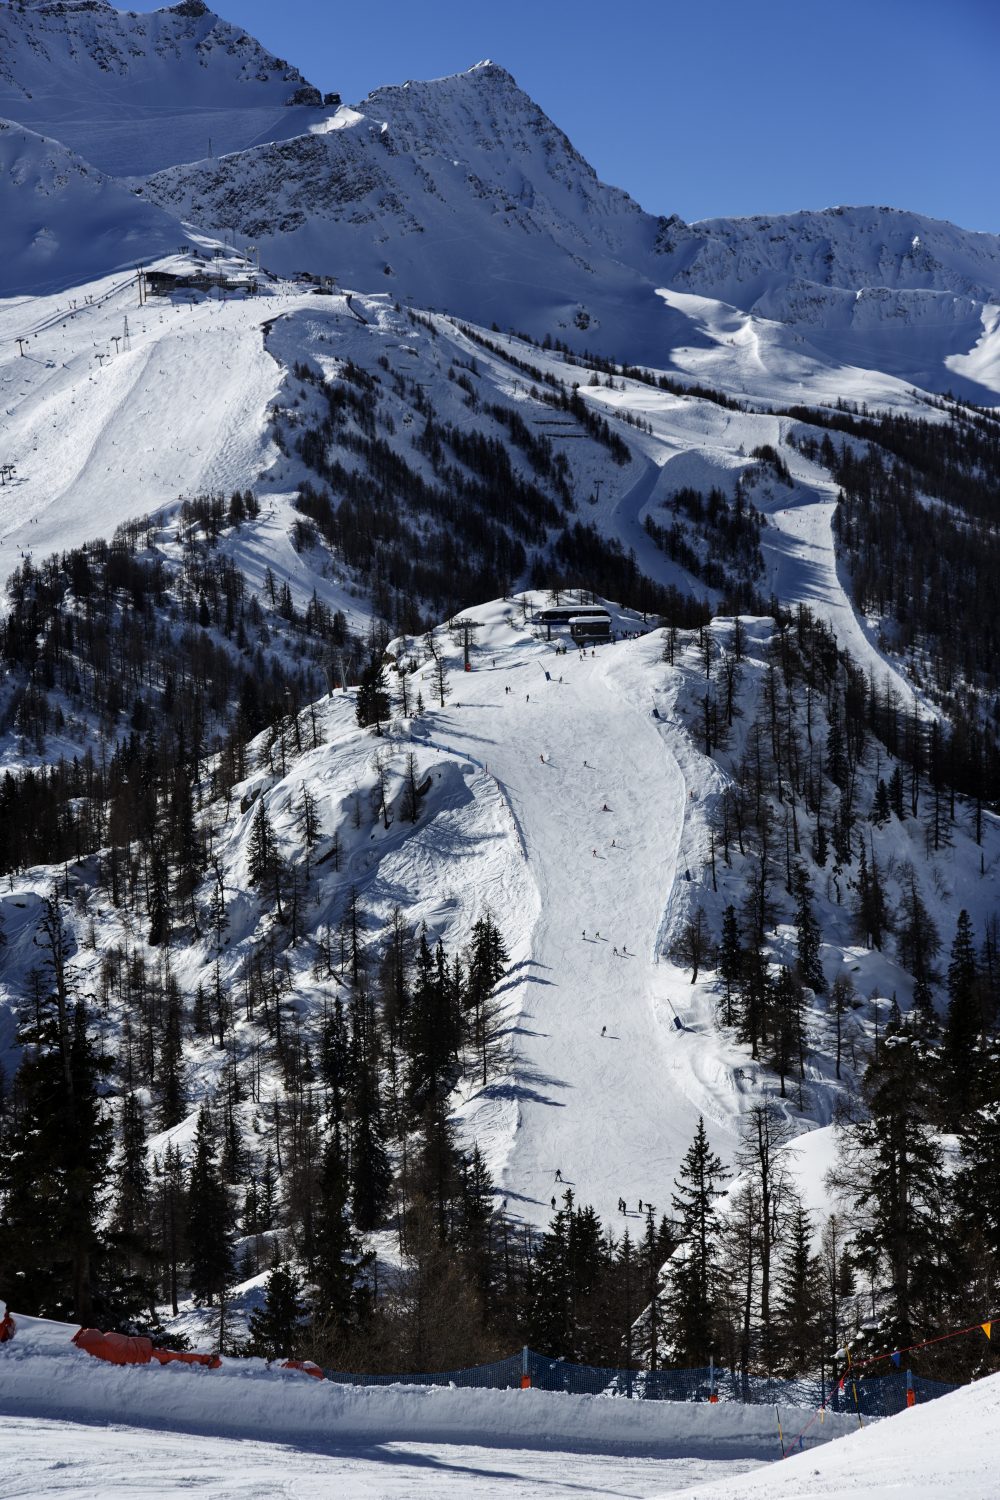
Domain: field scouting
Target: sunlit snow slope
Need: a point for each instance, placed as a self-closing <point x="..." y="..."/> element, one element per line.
<point x="100" y="433"/>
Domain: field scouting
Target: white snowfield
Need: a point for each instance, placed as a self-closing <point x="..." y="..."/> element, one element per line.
<point x="101" y="431"/>
<point x="69" y="1425"/>
<point x="945" y="1450"/>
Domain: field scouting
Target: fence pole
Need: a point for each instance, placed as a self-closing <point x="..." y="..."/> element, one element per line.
<point x="525" y="1370"/>
<point x="713" y="1395"/>
<point x="911" y="1395"/>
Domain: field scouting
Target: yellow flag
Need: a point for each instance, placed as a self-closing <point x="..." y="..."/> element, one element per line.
<point x="986" y="1328"/>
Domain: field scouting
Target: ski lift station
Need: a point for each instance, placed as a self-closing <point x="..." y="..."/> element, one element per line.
<point x="586" y="622"/>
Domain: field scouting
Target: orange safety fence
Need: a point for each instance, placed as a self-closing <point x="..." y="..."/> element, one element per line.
<point x="307" y="1366"/>
<point x="129" y="1349"/>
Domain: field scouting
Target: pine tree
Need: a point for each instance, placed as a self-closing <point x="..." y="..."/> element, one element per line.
<point x="730" y="961"/>
<point x="54" y="1156"/>
<point x="916" y="935"/>
<point x="798" y="1304"/>
<point x="486" y="966"/>
<point x="209" y="1219"/>
<point x="372" y="710"/>
<point x="337" y="1256"/>
<point x="276" y="1329"/>
<point x="370" y="1164"/>
<point x="170" y="1078"/>
<point x="261" y="848"/>
<point x="549" y="1323"/>
<point x="891" y="1167"/>
<point x="131" y="1227"/>
<point x="963" y="1023"/>
<point x="693" y="1267"/>
<point x="807" y="935"/>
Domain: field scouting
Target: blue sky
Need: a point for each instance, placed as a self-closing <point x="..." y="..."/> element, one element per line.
<point x="704" y="107"/>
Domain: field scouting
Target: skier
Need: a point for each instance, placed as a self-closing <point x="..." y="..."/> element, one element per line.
<point x="558" y="1175"/>
<point x="553" y="1200"/>
<point x="605" y="808"/>
<point x="640" y="1205"/>
<point x="594" y="853"/>
<point x="615" y="952"/>
<point x="604" y="1031"/>
<point x="585" y="932"/>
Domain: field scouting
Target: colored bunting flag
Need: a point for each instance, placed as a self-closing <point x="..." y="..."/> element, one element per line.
<point x="986" y="1327"/>
<point x="896" y="1358"/>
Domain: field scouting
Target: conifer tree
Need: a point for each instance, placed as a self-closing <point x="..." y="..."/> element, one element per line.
<point x="807" y="934"/>
<point x="798" y="1304"/>
<point x="730" y="961"/>
<point x="963" y="1022"/>
<point x="372" y="710"/>
<point x="54" y="1158"/>
<point x="276" y="1329"/>
<point x="209" y="1219"/>
<point x="891" y="1169"/>
<point x="694" y="1265"/>
<point x="131" y="1227"/>
<point x="337" y="1255"/>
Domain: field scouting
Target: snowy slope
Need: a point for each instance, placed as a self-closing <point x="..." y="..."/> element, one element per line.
<point x="93" y="439"/>
<point x="414" y="178"/>
<point x="207" y="1427"/>
<point x="136" y="92"/>
<point x="459" y="194"/>
<point x="944" y="1449"/>
<point x="64" y="223"/>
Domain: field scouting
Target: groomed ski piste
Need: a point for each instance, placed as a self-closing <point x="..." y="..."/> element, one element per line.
<point x="73" y="1427"/>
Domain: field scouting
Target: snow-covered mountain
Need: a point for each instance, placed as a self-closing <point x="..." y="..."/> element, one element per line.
<point x="64" y="222"/>
<point x="465" y="196"/>
<point x="135" y="92"/>
<point x="460" y="194"/>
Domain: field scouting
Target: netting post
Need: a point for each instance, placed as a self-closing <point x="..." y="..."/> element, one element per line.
<point x="911" y="1395"/>
<point x="525" y="1371"/>
<point x="713" y="1395"/>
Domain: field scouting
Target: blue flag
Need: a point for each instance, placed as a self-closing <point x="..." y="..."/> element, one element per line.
<point x="896" y="1359"/>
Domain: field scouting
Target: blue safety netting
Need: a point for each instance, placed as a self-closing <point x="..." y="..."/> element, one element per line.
<point x="873" y="1396"/>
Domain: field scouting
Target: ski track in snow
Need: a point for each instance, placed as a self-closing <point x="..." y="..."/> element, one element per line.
<point x="98" y="443"/>
<point x="608" y="875"/>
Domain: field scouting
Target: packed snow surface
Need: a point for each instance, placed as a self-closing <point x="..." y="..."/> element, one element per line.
<point x="944" y="1450"/>
<point x="72" y="1426"/>
<point x="102" y="430"/>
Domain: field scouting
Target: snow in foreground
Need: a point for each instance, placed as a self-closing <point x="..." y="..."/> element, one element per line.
<point x="70" y="1425"/>
<point x="68" y="1460"/>
<point x="946" y="1448"/>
